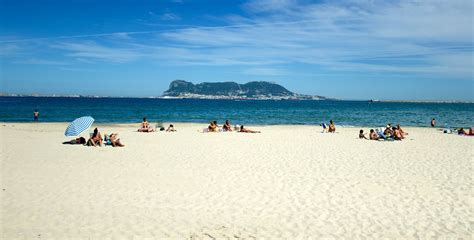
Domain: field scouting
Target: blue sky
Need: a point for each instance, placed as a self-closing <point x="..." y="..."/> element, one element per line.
<point x="348" y="49"/>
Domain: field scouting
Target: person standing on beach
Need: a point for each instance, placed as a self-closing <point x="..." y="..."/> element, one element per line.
<point x="36" y="115"/>
<point x="433" y="122"/>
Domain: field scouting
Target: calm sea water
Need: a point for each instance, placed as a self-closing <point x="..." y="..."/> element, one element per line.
<point x="132" y="110"/>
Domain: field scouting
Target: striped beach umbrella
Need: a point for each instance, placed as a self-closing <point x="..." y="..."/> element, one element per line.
<point x="78" y="126"/>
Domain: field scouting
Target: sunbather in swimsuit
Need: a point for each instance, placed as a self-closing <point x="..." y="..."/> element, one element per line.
<point x="96" y="139"/>
<point x="245" y="130"/>
<point x="115" y="141"/>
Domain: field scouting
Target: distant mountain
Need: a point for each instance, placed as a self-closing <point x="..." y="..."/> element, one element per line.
<point x="232" y="90"/>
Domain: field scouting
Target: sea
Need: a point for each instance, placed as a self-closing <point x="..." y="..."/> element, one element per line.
<point x="245" y="112"/>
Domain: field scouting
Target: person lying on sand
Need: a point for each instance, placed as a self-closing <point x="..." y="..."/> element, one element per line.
<point x="245" y="130"/>
<point x="332" y="127"/>
<point x="115" y="141"/>
<point x="373" y="135"/>
<point x="171" y="128"/>
<point x="362" y="135"/>
<point x="227" y="127"/>
<point x="461" y="131"/>
<point x="79" y="140"/>
<point x="145" y="127"/>
<point x="96" y="139"/>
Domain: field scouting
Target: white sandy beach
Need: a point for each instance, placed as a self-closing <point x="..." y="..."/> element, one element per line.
<point x="287" y="182"/>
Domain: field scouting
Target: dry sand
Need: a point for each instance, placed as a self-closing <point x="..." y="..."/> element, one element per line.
<point x="287" y="182"/>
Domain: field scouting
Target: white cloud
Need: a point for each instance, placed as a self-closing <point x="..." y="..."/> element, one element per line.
<point x="35" y="61"/>
<point x="170" y="17"/>
<point x="407" y="36"/>
<point x="8" y="49"/>
<point x="343" y="33"/>
<point x="92" y="50"/>
<point x="264" y="72"/>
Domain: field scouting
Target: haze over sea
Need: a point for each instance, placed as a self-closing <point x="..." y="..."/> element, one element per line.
<point x="258" y="112"/>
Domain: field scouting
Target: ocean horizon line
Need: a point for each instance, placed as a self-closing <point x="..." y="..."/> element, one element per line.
<point x="12" y="95"/>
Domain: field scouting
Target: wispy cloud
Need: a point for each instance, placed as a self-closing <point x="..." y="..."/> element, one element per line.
<point x="92" y="50"/>
<point x="170" y="17"/>
<point x="345" y="33"/>
<point x="34" y="61"/>
<point x="264" y="72"/>
<point x="421" y="37"/>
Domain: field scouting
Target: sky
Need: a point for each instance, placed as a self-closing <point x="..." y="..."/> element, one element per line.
<point x="346" y="49"/>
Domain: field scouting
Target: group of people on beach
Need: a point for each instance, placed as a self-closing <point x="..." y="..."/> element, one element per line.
<point x="213" y="127"/>
<point x="97" y="140"/>
<point x="470" y="132"/>
<point x="146" y="127"/>
<point x="227" y="127"/>
<point x="389" y="133"/>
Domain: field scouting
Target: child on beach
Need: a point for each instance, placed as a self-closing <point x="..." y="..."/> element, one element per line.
<point x="362" y="135"/>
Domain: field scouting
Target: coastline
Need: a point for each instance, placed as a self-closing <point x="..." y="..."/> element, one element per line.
<point x="236" y="99"/>
<point x="286" y="182"/>
<point x="205" y="124"/>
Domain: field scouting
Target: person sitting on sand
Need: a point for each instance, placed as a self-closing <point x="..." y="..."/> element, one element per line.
<point x="79" y="140"/>
<point x="96" y="139"/>
<point x="362" y="135"/>
<point x="145" y="127"/>
<point x="461" y="131"/>
<point x="397" y="135"/>
<point x="388" y="132"/>
<point x="332" y="127"/>
<point x="227" y="127"/>
<point x="171" y="128"/>
<point x="373" y="135"/>
<point x="245" y="130"/>
<point x="213" y="127"/>
<point x="401" y="131"/>
<point x="115" y="141"/>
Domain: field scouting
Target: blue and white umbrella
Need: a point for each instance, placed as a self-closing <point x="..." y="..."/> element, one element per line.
<point x="78" y="126"/>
